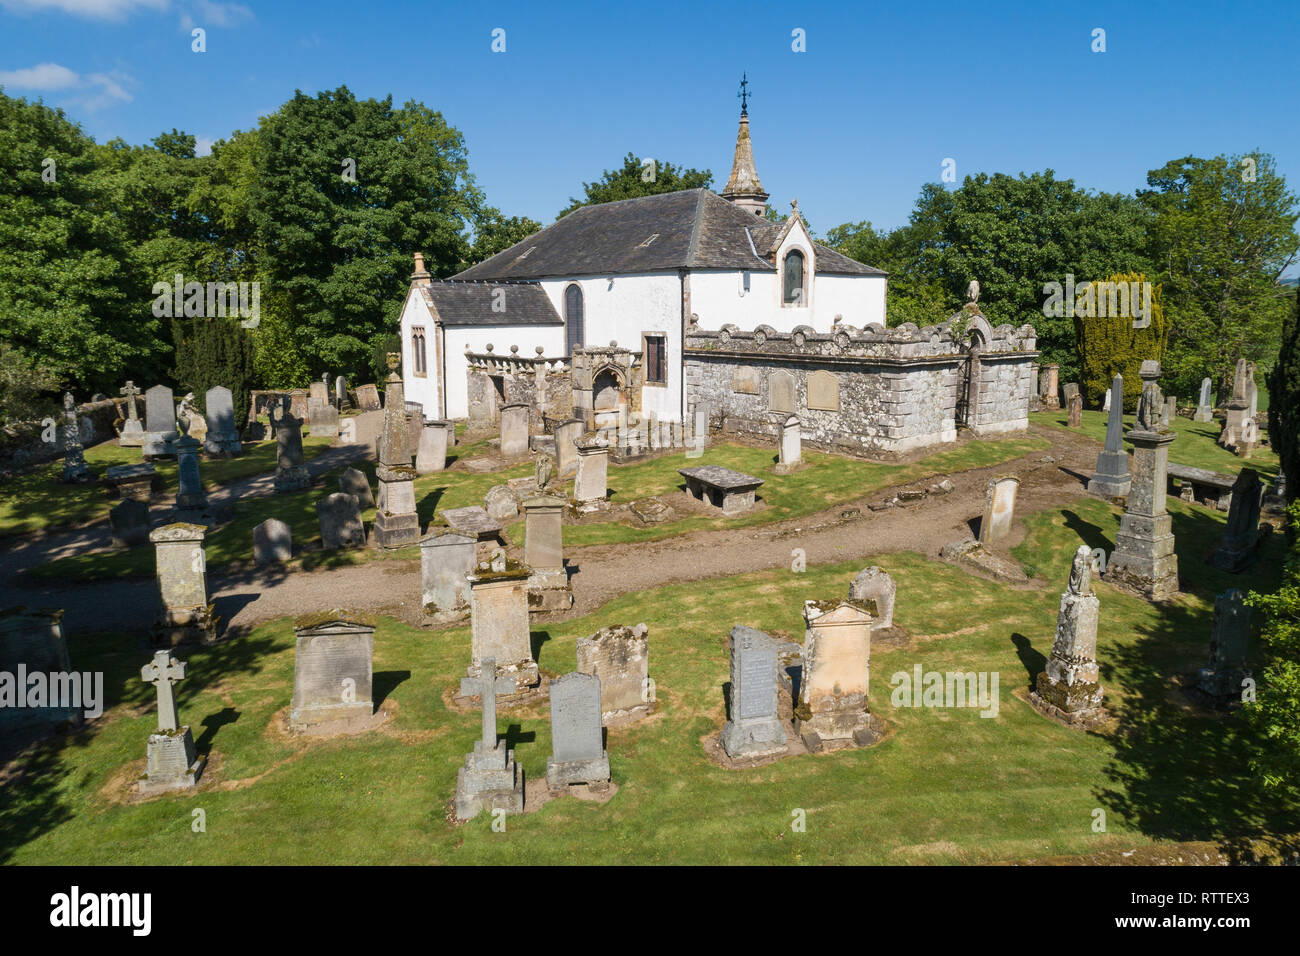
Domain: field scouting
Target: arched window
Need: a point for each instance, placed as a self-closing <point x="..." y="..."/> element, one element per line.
<point x="419" y="357"/>
<point x="793" y="285"/>
<point x="573" y="333"/>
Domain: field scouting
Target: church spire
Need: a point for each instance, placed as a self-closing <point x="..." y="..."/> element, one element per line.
<point x="743" y="188"/>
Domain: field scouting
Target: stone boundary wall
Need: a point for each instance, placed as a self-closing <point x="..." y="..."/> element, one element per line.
<point x="21" y="446"/>
<point x="544" y="384"/>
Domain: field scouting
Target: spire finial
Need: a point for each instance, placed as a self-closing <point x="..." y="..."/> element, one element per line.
<point x="794" y="205"/>
<point x="744" y="94"/>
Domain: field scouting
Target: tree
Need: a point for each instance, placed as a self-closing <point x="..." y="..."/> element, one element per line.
<point x="635" y="178"/>
<point x="26" y="388"/>
<point x="493" y="232"/>
<point x="1223" y="231"/>
<point x="1111" y="345"/>
<point x="345" y="192"/>
<point x="914" y="293"/>
<point x="214" y="351"/>
<point x="1284" y="402"/>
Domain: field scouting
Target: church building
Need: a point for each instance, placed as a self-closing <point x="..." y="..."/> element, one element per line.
<point x="609" y="307"/>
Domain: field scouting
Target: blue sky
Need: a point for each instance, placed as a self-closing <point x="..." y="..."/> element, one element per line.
<point x="853" y="126"/>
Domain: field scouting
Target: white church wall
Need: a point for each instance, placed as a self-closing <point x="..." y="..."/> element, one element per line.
<point x="420" y="388"/>
<point x="527" y="337"/>
<point x="719" y="297"/>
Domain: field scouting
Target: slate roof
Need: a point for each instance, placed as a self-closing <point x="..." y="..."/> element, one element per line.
<point x="470" y="303"/>
<point x="688" y="229"/>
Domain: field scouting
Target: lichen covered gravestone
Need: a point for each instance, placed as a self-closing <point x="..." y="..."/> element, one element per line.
<point x="548" y="585"/>
<point x="578" y="753"/>
<point x="593" y="467"/>
<point x="1229" y="644"/>
<point x="1111" y="479"/>
<point x="514" y="430"/>
<point x="340" y="521"/>
<point x="185" y="614"/>
<point x="567" y="435"/>
<point x="620" y="657"/>
<point x="75" y="468"/>
<point x="446" y="559"/>
<point x="353" y="481"/>
<point x="159" y="422"/>
<point x="1069" y="687"/>
<point x="1241" y="534"/>
<point x="833" y="685"/>
<point x="755" y="728"/>
<point x="490" y="777"/>
<point x="874" y="584"/>
<point x="499" y="628"/>
<point x="132" y="435"/>
<point x="291" y="473"/>
<point x="222" y="437"/>
<point x="999" y="508"/>
<point x="396" y="522"/>
<point x="333" y="673"/>
<point x="173" y="762"/>
<point x="1205" y="407"/>
<point x="431" y="455"/>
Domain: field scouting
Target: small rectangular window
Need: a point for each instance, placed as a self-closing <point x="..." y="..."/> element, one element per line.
<point x="419" y="358"/>
<point x="656" y="366"/>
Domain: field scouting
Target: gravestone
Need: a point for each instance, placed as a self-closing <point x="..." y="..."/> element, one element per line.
<point x="1229" y="645"/>
<point x="446" y="559"/>
<point x="476" y="523"/>
<point x="1205" y="407"/>
<point x="823" y="391"/>
<point x="781" y="392"/>
<point x="322" y="417"/>
<point x="132" y="481"/>
<point x="1249" y="439"/>
<point x="1105" y="405"/>
<point x="32" y="642"/>
<point x="593" y="469"/>
<point x="744" y="380"/>
<point x="1238" y="412"/>
<point x="999" y="508"/>
<point x="833" y="684"/>
<point x="340" y="522"/>
<point x="1171" y="410"/>
<point x="620" y="657"/>
<point x="222" y="437"/>
<point x="432" y="453"/>
<point x="874" y="584"/>
<point x="699" y="430"/>
<point x="159" y="422"/>
<point x="1111" y="479"/>
<point x="1241" y="534"/>
<point x="754" y="728"/>
<point x="190" y="496"/>
<point x="577" y="740"/>
<point x="501" y="503"/>
<point x="368" y="398"/>
<point x="567" y="436"/>
<point x="514" y="430"/>
<point x="130" y="523"/>
<point x="1069" y="687"/>
<point x="548" y="585"/>
<point x="319" y="392"/>
<point x="353" y="481"/>
<point x="173" y="762"/>
<point x="341" y="393"/>
<point x="499" y="628"/>
<point x="1144" y="560"/>
<point x="185" y="614"/>
<point x="272" y="542"/>
<point x="415" y="425"/>
<point x="291" y="473"/>
<point x="1252" y="394"/>
<point x="732" y="492"/>
<point x="132" y="435"/>
<point x="75" y="469"/>
<point x="396" y="522"/>
<point x="490" y="777"/>
<point x="1048" y="387"/>
<point x="1069" y="390"/>
<point x="791" y="453"/>
<point x="333" y="674"/>
<point x="1074" y="410"/>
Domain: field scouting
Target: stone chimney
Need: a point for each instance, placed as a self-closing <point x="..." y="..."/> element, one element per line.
<point x="421" y="275"/>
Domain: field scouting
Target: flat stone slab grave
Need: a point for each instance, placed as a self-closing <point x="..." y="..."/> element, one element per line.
<point x="1205" y="484"/>
<point x="731" y="491"/>
<point x="474" y="522"/>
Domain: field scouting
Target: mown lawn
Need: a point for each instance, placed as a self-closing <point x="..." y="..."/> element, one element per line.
<point x="947" y="786"/>
<point x="1196" y="445"/>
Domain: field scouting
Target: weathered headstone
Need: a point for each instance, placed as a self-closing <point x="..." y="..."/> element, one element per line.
<point x="432" y="453"/>
<point x="353" y="481"/>
<point x="499" y="628"/>
<point x="190" y="496"/>
<point x="322" y="417"/>
<point x="577" y="741"/>
<point x="567" y="436"/>
<point x="272" y="542"/>
<point x="446" y="559"/>
<point x="340" y="522"/>
<point x="1048" y="387"/>
<point x="1105" y="405"/>
<point x="368" y="398"/>
<point x="173" y="762"/>
<point x="32" y="642"/>
<point x="1068" y="391"/>
<point x="414" y="425"/>
<point x="1069" y="687"/>
<point x="548" y="585"/>
<point x="1112" y="479"/>
<point x="490" y="777"/>
<point x="132" y="435"/>
<point x="1171" y="410"/>
<point x="514" y="430"/>
<point x="999" y="508"/>
<point x="875" y="584"/>
<point x="185" y="614"/>
<point x="1238" y="405"/>
<point x="755" y="728"/>
<point x="129" y="520"/>
<point x="593" y="469"/>
<point x="833" y="684"/>
<point x="333" y="673"/>
<point x="222" y="437"/>
<point x="1144" y="560"/>
<point x="1074" y="410"/>
<point x="75" y="468"/>
<point x="319" y="392"/>
<point x="620" y="657"/>
<point x="396" y="522"/>
<point x="159" y="422"/>
<point x="501" y="503"/>
<point x="341" y="393"/>
<point x="1241" y="534"/>
<point x="1229" y="645"/>
<point x="1205" y="407"/>
<point x="790" y="456"/>
<point x="291" y="472"/>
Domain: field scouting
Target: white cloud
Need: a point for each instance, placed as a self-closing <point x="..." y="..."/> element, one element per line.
<point x="91" y="91"/>
<point x="203" y="145"/>
<point x="209" y="13"/>
<point x="93" y="9"/>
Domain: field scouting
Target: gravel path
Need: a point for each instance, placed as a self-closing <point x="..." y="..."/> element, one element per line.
<point x="245" y="597"/>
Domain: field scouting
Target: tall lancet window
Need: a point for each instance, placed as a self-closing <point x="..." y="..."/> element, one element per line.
<point x="794" y="294"/>
<point x="573" y="332"/>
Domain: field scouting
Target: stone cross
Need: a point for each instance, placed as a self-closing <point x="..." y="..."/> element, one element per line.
<point x="130" y="391"/>
<point x="488" y="685"/>
<point x="162" y="672"/>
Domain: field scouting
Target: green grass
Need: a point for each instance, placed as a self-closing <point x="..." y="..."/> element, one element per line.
<point x="37" y="500"/>
<point x="1196" y="445"/>
<point x="947" y="786"/>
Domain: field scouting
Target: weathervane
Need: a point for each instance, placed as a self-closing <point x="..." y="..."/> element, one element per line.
<point x="744" y="94"/>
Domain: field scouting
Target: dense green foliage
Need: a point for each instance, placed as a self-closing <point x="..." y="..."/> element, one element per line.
<point x="1284" y="401"/>
<point x="211" y="352"/>
<point x="636" y="179"/>
<point x="1110" y="345"/>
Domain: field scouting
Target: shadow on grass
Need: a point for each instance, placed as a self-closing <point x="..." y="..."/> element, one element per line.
<point x="1033" y="660"/>
<point x="384" y="683"/>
